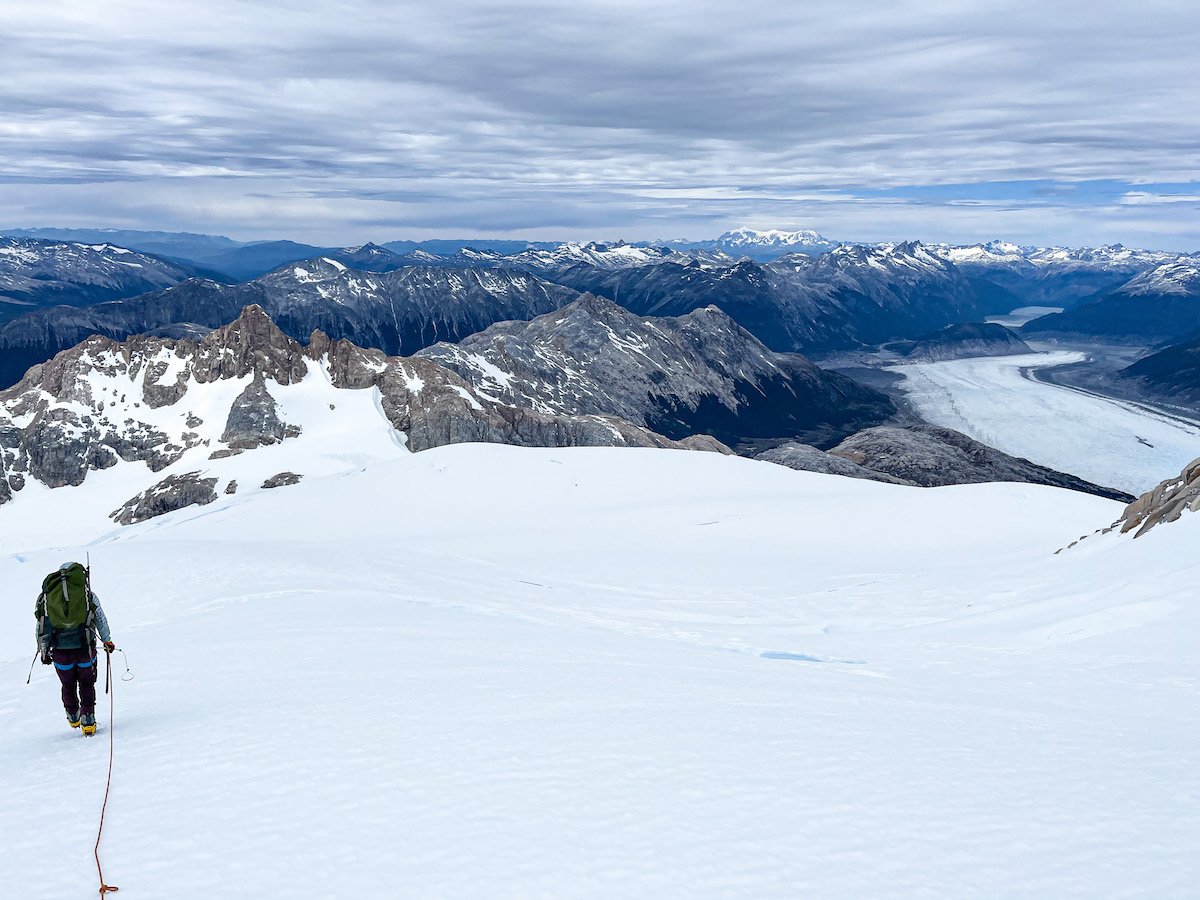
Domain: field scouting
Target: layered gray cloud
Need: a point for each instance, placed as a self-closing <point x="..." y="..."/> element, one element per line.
<point x="349" y="120"/>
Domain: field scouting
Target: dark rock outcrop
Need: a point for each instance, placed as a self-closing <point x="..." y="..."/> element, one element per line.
<point x="254" y="418"/>
<point x="282" y="479"/>
<point x="172" y="493"/>
<point x="962" y="342"/>
<point x="931" y="456"/>
<point x="804" y="458"/>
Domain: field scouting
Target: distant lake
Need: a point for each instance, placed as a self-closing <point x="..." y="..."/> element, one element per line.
<point x="1020" y="316"/>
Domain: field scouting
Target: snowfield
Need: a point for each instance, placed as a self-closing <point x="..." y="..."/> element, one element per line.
<point x="1108" y="442"/>
<point x="483" y="671"/>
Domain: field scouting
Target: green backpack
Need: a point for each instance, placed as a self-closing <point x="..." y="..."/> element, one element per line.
<point x="66" y="593"/>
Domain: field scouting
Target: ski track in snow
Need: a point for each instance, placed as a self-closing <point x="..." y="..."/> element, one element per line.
<point x="1108" y="442"/>
<point x="484" y="671"/>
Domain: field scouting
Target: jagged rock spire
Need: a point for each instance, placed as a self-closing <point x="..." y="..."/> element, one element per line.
<point x="250" y="344"/>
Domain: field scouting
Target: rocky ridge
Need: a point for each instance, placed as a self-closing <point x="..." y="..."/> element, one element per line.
<point x="1163" y="503"/>
<point x="397" y="311"/>
<point x="150" y="400"/>
<point x="931" y="456"/>
<point x="698" y="373"/>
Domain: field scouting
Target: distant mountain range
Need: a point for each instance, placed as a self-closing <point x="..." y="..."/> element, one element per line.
<point x="175" y="244"/>
<point x="762" y="246"/>
<point x="1159" y="304"/>
<point x="831" y="297"/>
<point x="398" y="311"/>
<point x="850" y="297"/>
<point x="1052" y="276"/>
<point x="35" y="274"/>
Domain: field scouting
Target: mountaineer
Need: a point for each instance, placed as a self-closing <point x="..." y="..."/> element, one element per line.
<point x="69" y="618"/>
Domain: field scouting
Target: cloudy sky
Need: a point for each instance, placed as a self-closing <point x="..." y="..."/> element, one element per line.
<point x="1050" y="122"/>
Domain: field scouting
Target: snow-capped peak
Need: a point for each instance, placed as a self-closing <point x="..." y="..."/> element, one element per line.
<point x="750" y="237"/>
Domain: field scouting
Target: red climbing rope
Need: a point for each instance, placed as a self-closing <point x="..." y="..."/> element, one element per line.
<point x="106" y="888"/>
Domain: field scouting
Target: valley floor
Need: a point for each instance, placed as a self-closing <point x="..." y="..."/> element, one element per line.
<point x="1003" y="402"/>
<point x="483" y="671"/>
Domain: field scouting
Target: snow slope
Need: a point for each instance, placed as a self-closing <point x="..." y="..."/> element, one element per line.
<point x="1108" y="442"/>
<point x="483" y="671"/>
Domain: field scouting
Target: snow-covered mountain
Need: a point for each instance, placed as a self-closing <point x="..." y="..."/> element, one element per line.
<point x="396" y="311"/>
<point x="198" y="248"/>
<point x="554" y="260"/>
<point x="1052" y="276"/>
<point x="173" y="409"/>
<point x="602" y="256"/>
<point x="39" y="273"/>
<point x="845" y="298"/>
<point x="857" y="295"/>
<point x="1175" y="276"/>
<point x="1113" y="256"/>
<point x="762" y="246"/>
<point x="700" y="373"/>
<point x="1159" y="305"/>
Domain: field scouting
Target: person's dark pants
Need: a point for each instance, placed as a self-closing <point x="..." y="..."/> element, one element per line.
<point x="77" y="672"/>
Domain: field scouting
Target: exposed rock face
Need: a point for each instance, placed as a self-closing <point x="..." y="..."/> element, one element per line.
<point x="1164" y="503"/>
<point x="962" y="342"/>
<point x="254" y="419"/>
<point x="932" y="456"/>
<point x="804" y="458"/>
<point x="172" y="493"/>
<point x="59" y="445"/>
<point x="434" y="406"/>
<point x="282" y="480"/>
<point x="700" y="373"/>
